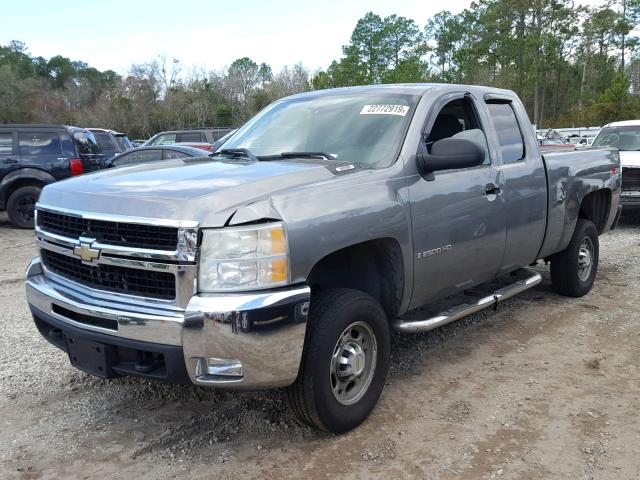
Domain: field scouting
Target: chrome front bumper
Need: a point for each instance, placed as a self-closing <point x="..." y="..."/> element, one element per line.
<point x="251" y="340"/>
<point x="630" y="198"/>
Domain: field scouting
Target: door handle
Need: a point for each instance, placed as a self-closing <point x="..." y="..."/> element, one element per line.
<point x="10" y="160"/>
<point x="491" y="189"/>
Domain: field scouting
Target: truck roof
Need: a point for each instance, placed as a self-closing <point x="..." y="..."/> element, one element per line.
<point x="106" y="130"/>
<point x="401" y="88"/>
<point x="625" y="123"/>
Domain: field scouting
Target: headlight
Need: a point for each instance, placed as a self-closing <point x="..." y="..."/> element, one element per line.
<point x="243" y="258"/>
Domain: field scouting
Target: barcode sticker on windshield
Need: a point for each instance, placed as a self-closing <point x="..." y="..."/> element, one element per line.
<point x="400" y="110"/>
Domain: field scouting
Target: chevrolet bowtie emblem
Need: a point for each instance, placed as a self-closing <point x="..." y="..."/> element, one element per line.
<point x="85" y="252"/>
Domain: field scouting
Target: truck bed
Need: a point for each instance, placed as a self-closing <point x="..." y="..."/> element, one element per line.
<point x="571" y="177"/>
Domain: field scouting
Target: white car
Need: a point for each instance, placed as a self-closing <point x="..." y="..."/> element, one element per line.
<point x="625" y="136"/>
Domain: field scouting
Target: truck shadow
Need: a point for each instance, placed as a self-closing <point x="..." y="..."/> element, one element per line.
<point x="177" y="422"/>
<point x="5" y="223"/>
<point x="629" y="218"/>
<point x="192" y="422"/>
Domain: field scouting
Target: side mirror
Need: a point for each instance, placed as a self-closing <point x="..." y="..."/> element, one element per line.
<point x="448" y="154"/>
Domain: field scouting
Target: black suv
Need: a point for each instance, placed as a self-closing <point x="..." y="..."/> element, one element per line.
<point x="31" y="156"/>
<point x="189" y="135"/>
<point x="111" y="143"/>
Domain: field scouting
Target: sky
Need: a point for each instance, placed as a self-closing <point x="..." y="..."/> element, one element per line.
<point x="114" y="34"/>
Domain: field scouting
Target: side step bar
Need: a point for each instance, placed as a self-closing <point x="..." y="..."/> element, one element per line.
<point x="459" y="311"/>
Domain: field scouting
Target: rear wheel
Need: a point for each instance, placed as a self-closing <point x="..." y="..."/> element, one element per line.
<point x="573" y="270"/>
<point x="21" y="205"/>
<point x="345" y="361"/>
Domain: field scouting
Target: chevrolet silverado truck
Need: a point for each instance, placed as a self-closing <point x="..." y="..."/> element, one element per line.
<point x="330" y="219"/>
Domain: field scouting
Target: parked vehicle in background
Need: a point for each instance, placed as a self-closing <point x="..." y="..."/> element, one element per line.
<point x="577" y="140"/>
<point x="548" y="145"/>
<point x="111" y="143"/>
<point x="154" y="154"/>
<point x="550" y="139"/>
<point x="189" y="135"/>
<point x="137" y="143"/>
<point x="329" y="219"/>
<point x="222" y="140"/>
<point x="208" y="147"/>
<point x="32" y="156"/>
<point x="625" y="136"/>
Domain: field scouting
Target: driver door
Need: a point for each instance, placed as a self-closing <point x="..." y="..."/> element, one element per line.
<point x="457" y="215"/>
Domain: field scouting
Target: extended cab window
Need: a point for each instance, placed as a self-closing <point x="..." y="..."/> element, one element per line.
<point x="508" y="131"/>
<point x="39" y="143"/>
<point x="458" y="119"/>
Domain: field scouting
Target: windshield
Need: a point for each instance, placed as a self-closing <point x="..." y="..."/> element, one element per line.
<point x="363" y="129"/>
<point x="623" y="138"/>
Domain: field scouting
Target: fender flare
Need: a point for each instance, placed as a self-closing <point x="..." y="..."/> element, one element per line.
<point x="30" y="174"/>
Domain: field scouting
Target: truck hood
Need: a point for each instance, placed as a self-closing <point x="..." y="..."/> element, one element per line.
<point x="630" y="159"/>
<point x="205" y="191"/>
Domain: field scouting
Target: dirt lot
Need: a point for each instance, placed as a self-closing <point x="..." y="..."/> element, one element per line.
<point x="546" y="387"/>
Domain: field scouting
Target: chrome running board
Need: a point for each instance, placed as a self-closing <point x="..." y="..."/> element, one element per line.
<point x="532" y="278"/>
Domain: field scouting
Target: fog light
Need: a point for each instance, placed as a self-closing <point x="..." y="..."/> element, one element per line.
<point x="225" y="367"/>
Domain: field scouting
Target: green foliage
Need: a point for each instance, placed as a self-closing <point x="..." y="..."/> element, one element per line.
<point x="223" y="115"/>
<point x="381" y="50"/>
<point x="557" y="56"/>
<point x="615" y="103"/>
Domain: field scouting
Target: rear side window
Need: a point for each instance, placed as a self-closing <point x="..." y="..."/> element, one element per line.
<point x="192" y="137"/>
<point x="86" y="143"/>
<point x="39" y="143"/>
<point x="6" y="143"/>
<point x="508" y="130"/>
<point x="165" y="139"/>
<point x="105" y="141"/>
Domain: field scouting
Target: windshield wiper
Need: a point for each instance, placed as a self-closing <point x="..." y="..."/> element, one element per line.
<point x="245" y="152"/>
<point x="237" y="152"/>
<point x="326" y="156"/>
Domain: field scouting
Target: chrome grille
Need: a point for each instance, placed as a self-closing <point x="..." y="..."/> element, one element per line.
<point x="631" y="179"/>
<point x="113" y="233"/>
<point x="131" y="281"/>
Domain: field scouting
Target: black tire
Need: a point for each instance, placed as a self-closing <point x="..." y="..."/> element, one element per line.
<point x="312" y="396"/>
<point x="21" y="204"/>
<point x="568" y="274"/>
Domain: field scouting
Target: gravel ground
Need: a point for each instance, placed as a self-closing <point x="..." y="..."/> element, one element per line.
<point x="546" y="387"/>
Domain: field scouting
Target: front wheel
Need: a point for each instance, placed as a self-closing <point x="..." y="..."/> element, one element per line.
<point x="573" y="270"/>
<point x="345" y="361"/>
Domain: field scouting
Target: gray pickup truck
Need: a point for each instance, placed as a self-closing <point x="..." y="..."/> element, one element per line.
<point x="330" y="219"/>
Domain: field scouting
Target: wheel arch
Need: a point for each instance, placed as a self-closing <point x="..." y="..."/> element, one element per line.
<point x="596" y="206"/>
<point x="374" y="266"/>
<point x="23" y="178"/>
